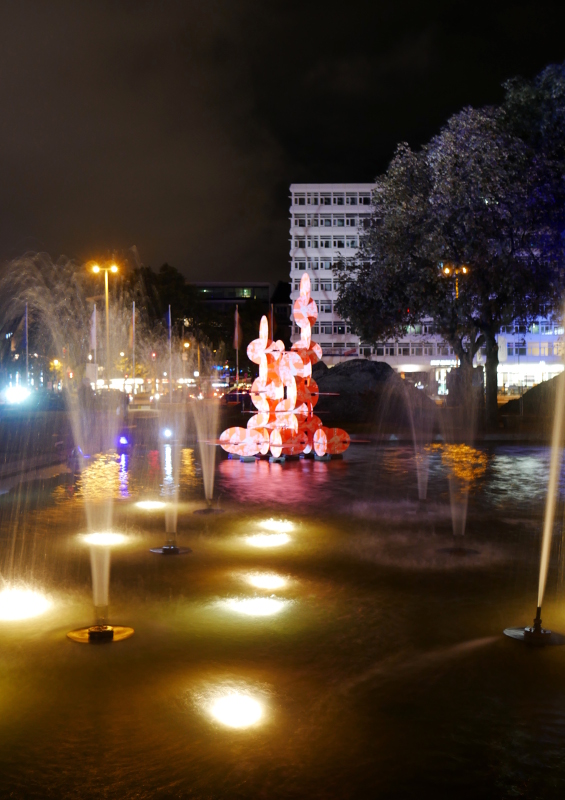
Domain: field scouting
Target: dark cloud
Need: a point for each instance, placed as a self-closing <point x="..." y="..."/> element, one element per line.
<point x="177" y="126"/>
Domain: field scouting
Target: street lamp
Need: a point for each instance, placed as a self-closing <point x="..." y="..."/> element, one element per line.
<point x="449" y="269"/>
<point x="110" y="268"/>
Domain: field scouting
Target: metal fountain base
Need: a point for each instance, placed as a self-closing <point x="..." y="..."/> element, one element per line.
<point x="326" y="457"/>
<point x="535" y="636"/>
<point x="171" y="550"/>
<point x="209" y="510"/>
<point x="277" y="460"/>
<point x="101" y="634"/>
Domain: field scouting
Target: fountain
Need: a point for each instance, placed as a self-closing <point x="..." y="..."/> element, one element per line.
<point x="535" y="635"/>
<point x="206" y="414"/>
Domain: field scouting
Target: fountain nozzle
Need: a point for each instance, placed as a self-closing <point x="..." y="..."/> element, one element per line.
<point x="536" y="635"/>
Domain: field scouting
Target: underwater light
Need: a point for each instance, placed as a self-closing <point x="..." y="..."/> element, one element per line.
<point x="278" y="525"/>
<point x="237" y="710"/>
<point x="268" y="540"/>
<point x="123" y="440"/>
<point x="266" y="580"/>
<point x="17" y="604"/>
<point x="150" y="505"/>
<point x="16" y="394"/>
<point x="167" y="433"/>
<point x="256" y="606"/>
<point x="104" y="539"/>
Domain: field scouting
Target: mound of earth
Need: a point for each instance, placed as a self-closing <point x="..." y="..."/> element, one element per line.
<point x="367" y="392"/>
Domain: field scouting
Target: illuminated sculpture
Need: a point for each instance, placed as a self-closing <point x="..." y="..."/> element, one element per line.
<point x="285" y="394"/>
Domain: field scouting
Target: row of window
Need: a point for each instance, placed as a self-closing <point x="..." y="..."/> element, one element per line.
<point x="316" y="286"/>
<point x="331" y="198"/>
<point x="545" y="328"/>
<point x="534" y="348"/>
<point x="337" y="328"/>
<point x="325" y="242"/>
<point x="311" y="263"/>
<point x="335" y="221"/>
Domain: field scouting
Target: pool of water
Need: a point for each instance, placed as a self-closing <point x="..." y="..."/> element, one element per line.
<point x="320" y="596"/>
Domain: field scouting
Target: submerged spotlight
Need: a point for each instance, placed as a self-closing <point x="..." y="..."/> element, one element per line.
<point x="150" y="505"/>
<point x="268" y="539"/>
<point x="237" y="710"/>
<point x="277" y="525"/>
<point x="18" y="604"/>
<point x="167" y="433"/>
<point x="266" y="580"/>
<point x="256" y="606"/>
<point x="123" y="440"/>
<point x="104" y="539"/>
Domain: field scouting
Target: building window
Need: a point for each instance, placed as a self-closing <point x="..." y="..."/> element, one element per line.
<point x="547" y="330"/>
<point x="300" y="264"/>
<point x="558" y="349"/>
<point x="325" y="243"/>
<point x="300" y="243"/>
<point x="315" y="328"/>
<point x="520" y="349"/>
<point x="325" y="199"/>
<point x="442" y="350"/>
<point x="300" y="220"/>
<point x="390" y="349"/>
<point x="339" y="241"/>
<point x="326" y="286"/>
<point x="313" y="241"/>
<point x="339" y="222"/>
<point x="379" y="350"/>
<point x="325" y="264"/>
<point x="404" y="349"/>
<point x="325" y="327"/>
<point x="313" y="220"/>
<point x="339" y="329"/>
<point x="339" y="199"/>
<point x="312" y="198"/>
<point x="429" y="350"/>
<point x="313" y="264"/>
<point x="314" y="286"/>
<point x="544" y="349"/>
<point x="351" y="241"/>
<point x="533" y="349"/>
<point x="325" y="308"/>
<point x="510" y="348"/>
<point x="416" y="350"/>
<point x="365" y="221"/>
<point x="296" y="286"/>
<point x="364" y="198"/>
<point x="299" y="200"/>
<point x="351" y="199"/>
<point x="351" y="221"/>
<point x="326" y="222"/>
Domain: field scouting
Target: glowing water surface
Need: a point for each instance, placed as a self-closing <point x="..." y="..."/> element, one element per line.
<point x="105" y="539"/>
<point x="268" y="540"/>
<point x="237" y="710"/>
<point x="17" y="604"/>
<point x="256" y="606"/>
<point x="266" y="580"/>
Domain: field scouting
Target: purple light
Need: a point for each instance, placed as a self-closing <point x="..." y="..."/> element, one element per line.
<point x="123" y="440"/>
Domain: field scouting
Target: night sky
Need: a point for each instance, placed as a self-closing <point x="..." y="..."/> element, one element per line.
<point x="176" y="127"/>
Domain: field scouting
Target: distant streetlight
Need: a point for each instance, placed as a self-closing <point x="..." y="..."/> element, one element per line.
<point x="110" y="268"/>
<point x="449" y="269"/>
<point x="196" y="373"/>
<point x="187" y="344"/>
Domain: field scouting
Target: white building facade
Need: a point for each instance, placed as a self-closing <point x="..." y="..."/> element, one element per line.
<point x="326" y="221"/>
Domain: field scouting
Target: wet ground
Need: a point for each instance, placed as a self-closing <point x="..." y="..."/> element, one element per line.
<point x="377" y="661"/>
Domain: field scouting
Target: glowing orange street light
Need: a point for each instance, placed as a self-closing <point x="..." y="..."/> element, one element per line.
<point x="448" y="270"/>
<point x="96" y="268"/>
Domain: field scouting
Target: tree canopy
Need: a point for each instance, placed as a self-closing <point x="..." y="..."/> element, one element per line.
<point x="467" y="232"/>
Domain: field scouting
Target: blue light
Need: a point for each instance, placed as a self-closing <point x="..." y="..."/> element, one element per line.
<point x="167" y="433"/>
<point x="123" y="440"/>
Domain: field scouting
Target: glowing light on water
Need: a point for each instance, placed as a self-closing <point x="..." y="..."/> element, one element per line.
<point x="16" y="604"/>
<point x="266" y="580"/>
<point x="237" y="710"/>
<point x="256" y="606"/>
<point x="104" y="539"/>
<point x="277" y="525"/>
<point x="150" y="505"/>
<point x="167" y="433"/>
<point x="123" y="440"/>
<point x="268" y="540"/>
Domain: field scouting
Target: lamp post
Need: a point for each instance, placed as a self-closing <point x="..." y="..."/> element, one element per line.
<point x="110" y="268"/>
<point x="449" y="269"/>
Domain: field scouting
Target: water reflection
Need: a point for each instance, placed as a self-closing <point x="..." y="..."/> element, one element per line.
<point x="268" y="539"/>
<point x="255" y="606"/>
<point x="124" y="478"/>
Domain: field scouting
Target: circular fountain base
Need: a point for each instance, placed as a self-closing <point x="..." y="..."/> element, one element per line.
<point x="100" y="634"/>
<point x="535" y="637"/>
<point x="209" y="510"/>
<point x="171" y="550"/>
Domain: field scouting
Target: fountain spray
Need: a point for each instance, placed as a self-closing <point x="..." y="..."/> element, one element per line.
<point x="536" y="635"/>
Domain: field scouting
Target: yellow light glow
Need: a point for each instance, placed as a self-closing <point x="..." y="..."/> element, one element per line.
<point x="446" y="270"/>
<point x="104" y="539"/>
<point x="96" y="268"/>
<point x="113" y="268"/>
<point x="266" y="580"/>
<point x="16" y="604"/>
<point x="56" y="362"/>
<point x="256" y="606"/>
<point x="150" y="505"/>
<point x="268" y="540"/>
<point x="187" y="344"/>
<point x="237" y="710"/>
<point x="464" y="270"/>
<point x="277" y="525"/>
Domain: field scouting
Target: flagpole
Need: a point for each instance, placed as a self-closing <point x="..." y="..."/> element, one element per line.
<point x="27" y="354"/>
<point x="133" y="344"/>
<point x="272" y="324"/>
<point x="170" y="361"/>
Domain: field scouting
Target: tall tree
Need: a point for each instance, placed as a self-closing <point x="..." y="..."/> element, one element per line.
<point x="467" y="232"/>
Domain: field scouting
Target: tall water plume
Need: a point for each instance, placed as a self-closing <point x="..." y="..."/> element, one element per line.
<point x="206" y="416"/>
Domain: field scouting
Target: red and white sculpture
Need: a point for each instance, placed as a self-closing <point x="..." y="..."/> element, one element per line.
<point x="285" y="394"/>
